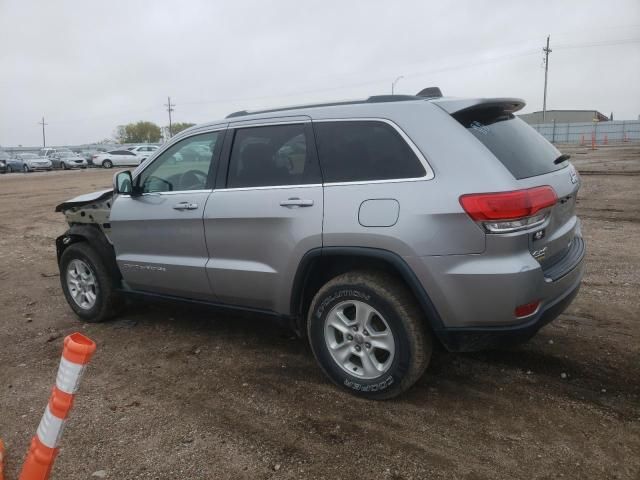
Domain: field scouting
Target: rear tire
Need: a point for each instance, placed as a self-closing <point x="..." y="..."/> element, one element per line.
<point x="87" y="285"/>
<point x="107" y="164"/>
<point x="378" y="353"/>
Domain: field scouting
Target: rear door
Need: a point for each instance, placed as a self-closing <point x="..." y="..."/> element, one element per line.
<point x="267" y="214"/>
<point x="158" y="235"/>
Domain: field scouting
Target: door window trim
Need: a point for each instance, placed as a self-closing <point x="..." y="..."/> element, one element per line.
<point x="158" y="153"/>
<point x="225" y="157"/>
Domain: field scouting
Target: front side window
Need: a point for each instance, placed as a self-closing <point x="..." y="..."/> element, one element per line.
<point x="271" y="156"/>
<point x="183" y="166"/>
<point x="364" y="150"/>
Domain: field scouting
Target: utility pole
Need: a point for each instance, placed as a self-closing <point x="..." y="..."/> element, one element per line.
<point x="44" y="141"/>
<point x="546" y="51"/>
<point x="169" y="109"/>
<point x="393" y="84"/>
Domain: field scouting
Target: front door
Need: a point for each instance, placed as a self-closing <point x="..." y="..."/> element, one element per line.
<point x="267" y="215"/>
<point x="158" y="234"/>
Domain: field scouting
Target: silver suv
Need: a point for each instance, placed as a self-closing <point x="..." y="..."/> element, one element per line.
<point x="375" y="228"/>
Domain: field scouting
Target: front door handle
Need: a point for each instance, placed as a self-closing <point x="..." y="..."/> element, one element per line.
<point x="185" y="206"/>
<point x="296" y="202"/>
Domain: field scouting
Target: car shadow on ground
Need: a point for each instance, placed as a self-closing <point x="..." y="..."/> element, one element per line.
<point x="452" y="373"/>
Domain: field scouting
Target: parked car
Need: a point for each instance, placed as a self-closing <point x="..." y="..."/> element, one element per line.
<point x="47" y="152"/>
<point x="66" y="159"/>
<point x="117" y="158"/>
<point x="143" y="151"/>
<point x="375" y="228"/>
<point x="88" y="156"/>
<point x="14" y="165"/>
<point x="4" y="162"/>
<point x="31" y="162"/>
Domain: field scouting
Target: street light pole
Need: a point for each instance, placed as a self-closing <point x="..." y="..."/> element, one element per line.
<point x="393" y="84"/>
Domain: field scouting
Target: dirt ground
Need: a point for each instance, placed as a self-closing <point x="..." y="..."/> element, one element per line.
<point x="182" y="393"/>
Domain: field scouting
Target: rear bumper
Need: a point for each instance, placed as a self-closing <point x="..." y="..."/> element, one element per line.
<point x="483" y="338"/>
<point x="475" y="295"/>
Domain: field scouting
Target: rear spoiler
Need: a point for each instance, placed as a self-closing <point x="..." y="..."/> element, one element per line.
<point x="456" y="106"/>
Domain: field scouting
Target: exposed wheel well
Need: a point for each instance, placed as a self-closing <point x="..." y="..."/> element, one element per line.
<point x="321" y="265"/>
<point x="92" y="235"/>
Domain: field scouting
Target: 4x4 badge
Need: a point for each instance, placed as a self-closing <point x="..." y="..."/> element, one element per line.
<point x="574" y="174"/>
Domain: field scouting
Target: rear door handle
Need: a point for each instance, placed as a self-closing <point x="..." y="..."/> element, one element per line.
<point x="185" y="206"/>
<point x="296" y="202"/>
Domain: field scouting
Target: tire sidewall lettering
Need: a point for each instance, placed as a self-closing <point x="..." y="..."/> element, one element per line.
<point x="397" y="370"/>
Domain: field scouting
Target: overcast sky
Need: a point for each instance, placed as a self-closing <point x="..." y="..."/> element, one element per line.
<point x="88" y="66"/>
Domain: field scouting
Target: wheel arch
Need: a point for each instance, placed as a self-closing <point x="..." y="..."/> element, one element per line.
<point x="92" y="235"/>
<point x="319" y="265"/>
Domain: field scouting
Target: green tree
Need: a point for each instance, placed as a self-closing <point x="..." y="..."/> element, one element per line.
<point x="180" y="126"/>
<point x="139" y="132"/>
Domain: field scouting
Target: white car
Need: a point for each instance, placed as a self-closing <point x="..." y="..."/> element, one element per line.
<point x="143" y="151"/>
<point x="116" y="158"/>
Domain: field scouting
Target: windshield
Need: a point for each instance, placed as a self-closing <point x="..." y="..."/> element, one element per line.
<point x="522" y="150"/>
<point x="28" y="156"/>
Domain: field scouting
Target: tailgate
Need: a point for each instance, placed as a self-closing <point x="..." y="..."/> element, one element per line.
<point x="555" y="244"/>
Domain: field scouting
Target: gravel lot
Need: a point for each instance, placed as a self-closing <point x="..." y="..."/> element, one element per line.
<point x="183" y="393"/>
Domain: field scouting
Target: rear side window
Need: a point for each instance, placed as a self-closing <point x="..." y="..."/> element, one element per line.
<point x="364" y="150"/>
<point x="272" y="156"/>
<point x="522" y="150"/>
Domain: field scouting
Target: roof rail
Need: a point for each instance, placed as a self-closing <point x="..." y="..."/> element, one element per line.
<point x="372" y="99"/>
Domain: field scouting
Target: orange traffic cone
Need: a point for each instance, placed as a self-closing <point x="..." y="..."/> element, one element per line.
<point x="77" y="352"/>
<point x="1" y="460"/>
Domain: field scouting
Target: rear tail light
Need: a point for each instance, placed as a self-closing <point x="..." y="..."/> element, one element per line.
<point x="510" y="211"/>
<point x="526" y="309"/>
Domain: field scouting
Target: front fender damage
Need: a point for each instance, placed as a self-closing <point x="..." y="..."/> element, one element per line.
<point x="89" y="209"/>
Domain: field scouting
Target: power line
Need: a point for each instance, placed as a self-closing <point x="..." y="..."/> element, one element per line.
<point x="546" y="51"/>
<point x="599" y="44"/>
<point x="169" y="109"/>
<point x="464" y="65"/>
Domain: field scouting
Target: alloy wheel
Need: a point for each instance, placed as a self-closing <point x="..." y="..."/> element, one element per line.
<point x="359" y="339"/>
<point x="82" y="284"/>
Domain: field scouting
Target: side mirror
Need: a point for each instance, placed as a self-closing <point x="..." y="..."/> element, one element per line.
<point x="123" y="183"/>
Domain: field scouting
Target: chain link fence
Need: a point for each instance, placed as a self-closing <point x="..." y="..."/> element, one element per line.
<point x="602" y="132"/>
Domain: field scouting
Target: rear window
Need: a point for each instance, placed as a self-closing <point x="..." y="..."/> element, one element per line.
<point x="522" y="150"/>
<point x="364" y="150"/>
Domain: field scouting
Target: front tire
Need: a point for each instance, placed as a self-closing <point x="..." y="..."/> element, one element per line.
<point x="368" y="334"/>
<point x="107" y="164"/>
<point x="87" y="285"/>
